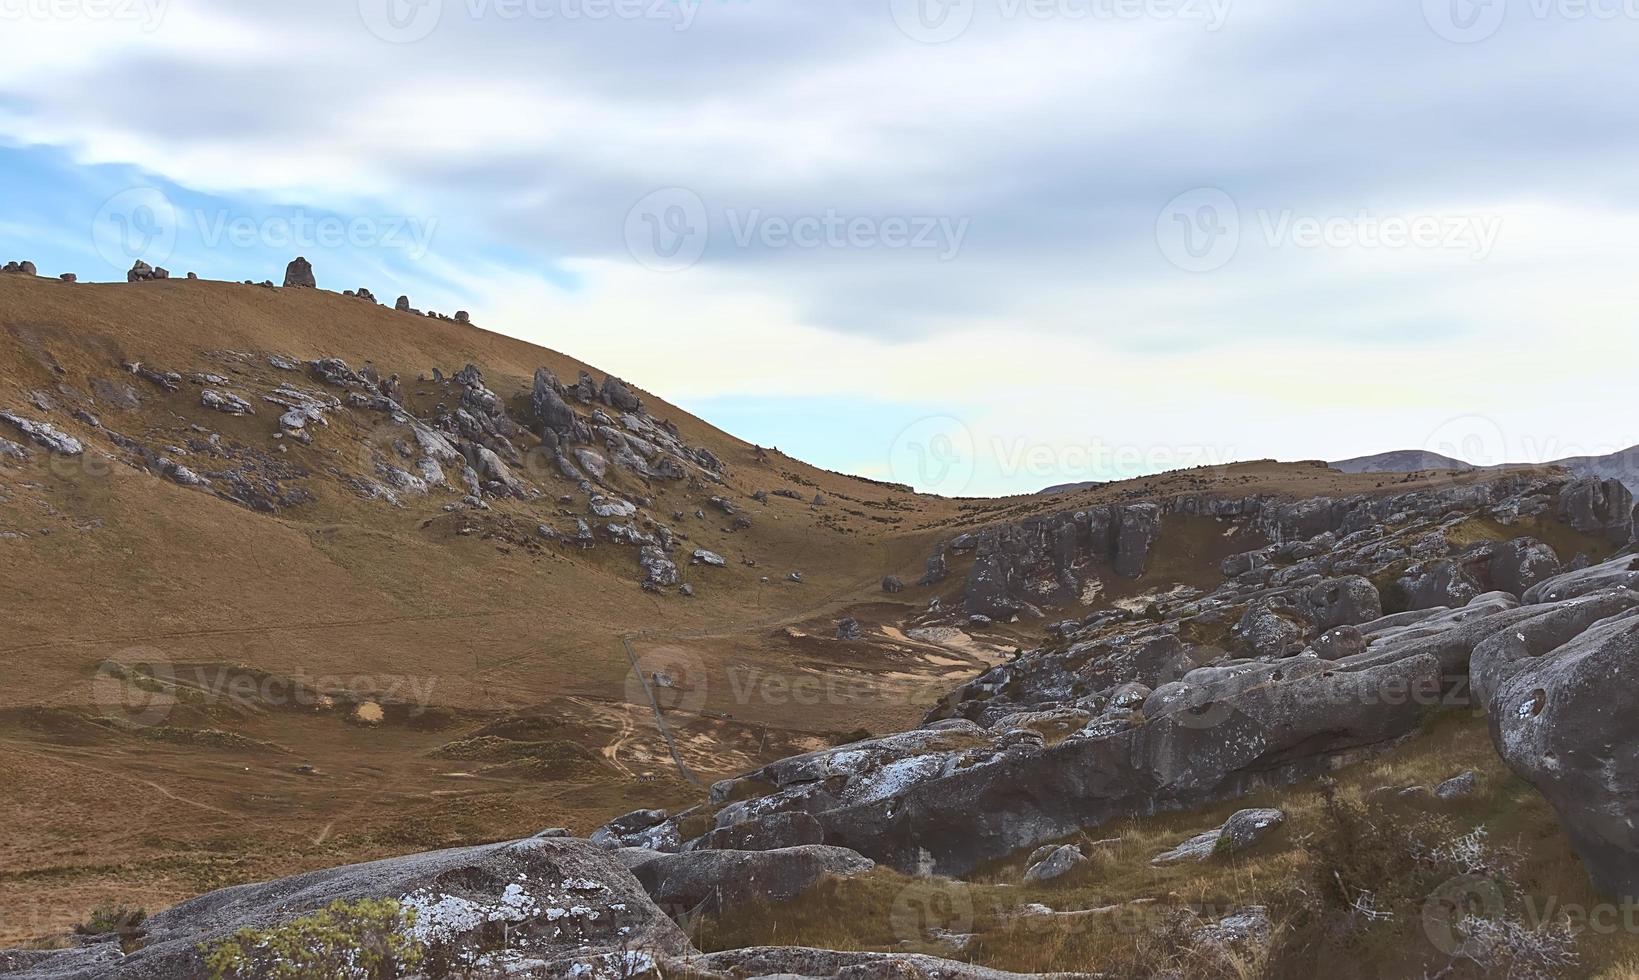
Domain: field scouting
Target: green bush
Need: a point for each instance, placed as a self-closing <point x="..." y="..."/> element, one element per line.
<point x="362" y="940"/>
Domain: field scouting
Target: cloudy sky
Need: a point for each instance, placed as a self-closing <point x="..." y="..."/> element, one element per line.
<point x="981" y="246"/>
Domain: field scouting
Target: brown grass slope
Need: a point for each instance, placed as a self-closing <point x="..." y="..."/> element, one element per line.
<point x="459" y="679"/>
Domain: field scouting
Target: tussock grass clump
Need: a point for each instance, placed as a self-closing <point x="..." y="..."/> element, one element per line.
<point x="363" y="940"/>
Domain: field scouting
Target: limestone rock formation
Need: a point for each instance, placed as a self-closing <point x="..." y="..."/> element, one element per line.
<point x="299" y="273"/>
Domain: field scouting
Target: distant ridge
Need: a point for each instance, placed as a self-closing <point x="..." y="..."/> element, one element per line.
<point x="1401" y="461"/>
<point x="1623" y="465"/>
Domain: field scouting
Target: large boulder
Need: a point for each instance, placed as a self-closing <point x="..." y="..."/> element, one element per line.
<point x="1565" y="724"/>
<point x="616" y="394"/>
<point x="1347" y="601"/>
<point x="717" y="881"/>
<point x="1272" y="629"/>
<point x="1618" y="573"/>
<point x="551" y="411"/>
<point x="1443" y="583"/>
<point x="553" y="901"/>
<point x="773" y="832"/>
<point x="1519" y="564"/>
<point x="300" y="273"/>
<point x="1598" y="507"/>
<point x="1240" y="832"/>
<point x="1509" y="651"/>
<point x="1138" y="527"/>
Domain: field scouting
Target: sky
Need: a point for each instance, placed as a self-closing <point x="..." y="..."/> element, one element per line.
<point x="977" y="246"/>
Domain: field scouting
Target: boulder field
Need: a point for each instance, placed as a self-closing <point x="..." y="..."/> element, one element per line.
<point x="1365" y="615"/>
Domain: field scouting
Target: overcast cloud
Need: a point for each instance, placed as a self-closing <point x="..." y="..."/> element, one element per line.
<point x="1029" y="241"/>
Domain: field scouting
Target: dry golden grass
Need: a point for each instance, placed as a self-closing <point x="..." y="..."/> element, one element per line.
<point x="122" y="565"/>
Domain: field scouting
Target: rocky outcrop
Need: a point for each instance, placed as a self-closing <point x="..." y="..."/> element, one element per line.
<point x="555" y="903"/>
<point x="1124" y="713"/>
<point x="1602" y="507"/>
<point x="1018" y="568"/>
<point x="1564" y="722"/>
<point x="143" y="272"/>
<point x="718" y="881"/>
<point x="44" y="434"/>
<point x="616" y="394"/>
<point x="299" y="273"/>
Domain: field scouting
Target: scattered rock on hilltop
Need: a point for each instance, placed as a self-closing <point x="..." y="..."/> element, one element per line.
<point x="299" y="273"/>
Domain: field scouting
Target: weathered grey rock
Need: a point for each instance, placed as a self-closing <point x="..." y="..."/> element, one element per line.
<point x="44" y="434"/>
<point x="1621" y="572"/>
<point x="402" y="305"/>
<point x="1271" y="630"/>
<point x="299" y="273"/>
<point x="611" y="508"/>
<point x="226" y="402"/>
<point x="1340" y="643"/>
<point x="1519" y="564"/>
<point x="1241" y="931"/>
<point x="772" y="832"/>
<point x="1566" y="725"/>
<point x="892" y="585"/>
<point x="1347" y="601"/>
<point x="647" y="829"/>
<point x="616" y="394"/>
<point x="1601" y="507"/>
<point x="540" y="898"/>
<point x="1138" y="527"/>
<point x="1057" y="863"/>
<point x="711" y="558"/>
<point x="937" y="570"/>
<point x="1552" y="625"/>
<point x="715" y="881"/>
<point x="1457" y="786"/>
<point x="848" y="630"/>
<point x="1443" y="583"/>
<point x="659" y="571"/>
<point x="551" y="411"/>
<point x="790" y="962"/>
<point x="1241" y="831"/>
